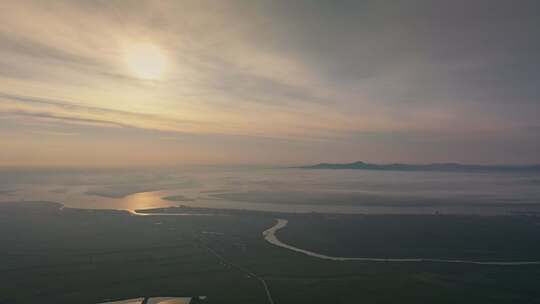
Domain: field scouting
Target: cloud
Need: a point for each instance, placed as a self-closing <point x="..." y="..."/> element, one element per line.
<point x="311" y="71"/>
<point x="74" y="112"/>
<point x="64" y="118"/>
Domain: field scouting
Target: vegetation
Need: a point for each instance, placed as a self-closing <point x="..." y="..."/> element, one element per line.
<point x="53" y="255"/>
<point x="470" y="237"/>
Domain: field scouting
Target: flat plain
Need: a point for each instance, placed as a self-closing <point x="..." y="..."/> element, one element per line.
<point x="61" y="255"/>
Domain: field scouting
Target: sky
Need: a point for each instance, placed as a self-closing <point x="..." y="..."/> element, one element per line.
<point x="161" y="83"/>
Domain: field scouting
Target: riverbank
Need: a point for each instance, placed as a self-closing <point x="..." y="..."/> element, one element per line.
<point x="270" y="236"/>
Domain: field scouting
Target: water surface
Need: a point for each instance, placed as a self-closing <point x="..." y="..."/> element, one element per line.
<point x="286" y="190"/>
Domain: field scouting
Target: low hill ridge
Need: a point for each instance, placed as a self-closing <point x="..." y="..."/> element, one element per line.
<point x="425" y="167"/>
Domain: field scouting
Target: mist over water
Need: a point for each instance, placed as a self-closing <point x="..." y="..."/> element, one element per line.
<point x="286" y="190"/>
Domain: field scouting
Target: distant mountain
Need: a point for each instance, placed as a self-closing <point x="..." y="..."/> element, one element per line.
<point x="453" y="167"/>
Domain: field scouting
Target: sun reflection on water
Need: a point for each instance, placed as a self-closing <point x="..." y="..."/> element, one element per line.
<point x="144" y="200"/>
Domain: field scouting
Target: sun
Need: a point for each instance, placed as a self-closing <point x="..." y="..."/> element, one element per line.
<point x="145" y="61"/>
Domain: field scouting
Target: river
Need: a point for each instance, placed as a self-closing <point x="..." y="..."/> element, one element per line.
<point x="270" y="236"/>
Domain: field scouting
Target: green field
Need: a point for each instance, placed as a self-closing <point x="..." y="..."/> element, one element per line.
<point x="471" y="237"/>
<point x="86" y="256"/>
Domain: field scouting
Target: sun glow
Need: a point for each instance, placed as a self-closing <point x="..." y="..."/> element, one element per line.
<point x="145" y="61"/>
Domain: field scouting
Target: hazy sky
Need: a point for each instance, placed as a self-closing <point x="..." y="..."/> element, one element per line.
<point x="268" y="82"/>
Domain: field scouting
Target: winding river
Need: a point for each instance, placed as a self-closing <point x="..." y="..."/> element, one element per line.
<point x="270" y="236"/>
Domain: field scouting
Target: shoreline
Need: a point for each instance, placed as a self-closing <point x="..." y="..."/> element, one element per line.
<point x="191" y="210"/>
